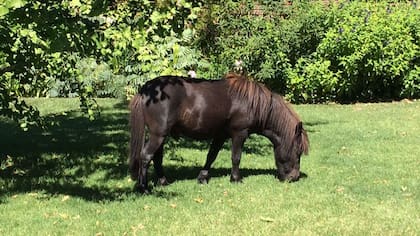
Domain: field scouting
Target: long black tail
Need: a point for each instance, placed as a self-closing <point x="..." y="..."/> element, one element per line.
<point x="137" y="127"/>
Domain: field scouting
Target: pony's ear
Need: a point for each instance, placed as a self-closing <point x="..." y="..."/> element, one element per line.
<point x="302" y="138"/>
<point x="299" y="128"/>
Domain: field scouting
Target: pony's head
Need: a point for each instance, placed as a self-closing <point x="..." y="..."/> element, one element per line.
<point x="276" y="120"/>
<point x="288" y="158"/>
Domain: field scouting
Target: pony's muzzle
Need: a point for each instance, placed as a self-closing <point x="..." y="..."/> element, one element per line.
<point x="293" y="176"/>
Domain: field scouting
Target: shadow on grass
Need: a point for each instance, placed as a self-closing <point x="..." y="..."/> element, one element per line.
<point x="60" y="159"/>
<point x="312" y="126"/>
<point x="179" y="173"/>
<point x="63" y="158"/>
<point x="85" y="159"/>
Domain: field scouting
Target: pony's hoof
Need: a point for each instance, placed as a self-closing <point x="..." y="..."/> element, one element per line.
<point x="162" y="181"/>
<point x="202" y="181"/>
<point x="203" y="177"/>
<point x="235" y="179"/>
<point x="142" y="189"/>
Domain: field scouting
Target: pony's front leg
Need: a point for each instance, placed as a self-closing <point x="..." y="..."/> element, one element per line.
<point x="146" y="156"/>
<point x="216" y="145"/>
<point x="237" y="143"/>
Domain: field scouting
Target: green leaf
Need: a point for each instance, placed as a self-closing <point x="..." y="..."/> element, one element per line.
<point x="155" y="17"/>
<point x="176" y="49"/>
<point x="89" y="89"/>
<point x="15" y="3"/>
<point x="3" y="11"/>
<point x="75" y="3"/>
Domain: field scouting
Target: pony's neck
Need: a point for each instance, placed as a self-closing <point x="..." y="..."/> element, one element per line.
<point x="281" y="124"/>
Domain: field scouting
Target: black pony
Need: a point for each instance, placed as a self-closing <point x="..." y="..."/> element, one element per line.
<point x="233" y="107"/>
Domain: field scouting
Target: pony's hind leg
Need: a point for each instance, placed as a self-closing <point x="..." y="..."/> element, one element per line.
<point x="215" y="147"/>
<point x="147" y="154"/>
<point x="157" y="163"/>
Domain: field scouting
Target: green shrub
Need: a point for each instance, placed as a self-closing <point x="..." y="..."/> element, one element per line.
<point x="313" y="81"/>
<point x="371" y="49"/>
<point x="268" y="37"/>
<point x="44" y="45"/>
<point x="313" y="51"/>
<point x="143" y="39"/>
<point x="411" y="85"/>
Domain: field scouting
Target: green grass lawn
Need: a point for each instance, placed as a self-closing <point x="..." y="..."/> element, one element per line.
<point x="363" y="178"/>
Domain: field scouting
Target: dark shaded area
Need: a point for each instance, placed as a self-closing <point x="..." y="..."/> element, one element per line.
<point x="177" y="173"/>
<point x="61" y="158"/>
<point x="310" y="125"/>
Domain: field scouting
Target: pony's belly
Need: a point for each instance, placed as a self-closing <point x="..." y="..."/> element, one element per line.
<point x="197" y="132"/>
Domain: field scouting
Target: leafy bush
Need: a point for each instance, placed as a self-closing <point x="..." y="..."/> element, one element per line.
<point x="142" y="39"/>
<point x="44" y="45"/>
<point x="313" y="51"/>
<point x="39" y="41"/>
<point x="411" y="84"/>
<point x="370" y="48"/>
<point x="313" y="81"/>
<point x="269" y="37"/>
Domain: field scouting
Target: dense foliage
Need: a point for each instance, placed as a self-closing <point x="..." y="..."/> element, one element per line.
<point x="320" y="51"/>
<point x="267" y="37"/>
<point x="370" y="51"/>
<point x="89" y="48"/>
<point x="310" y="51"/>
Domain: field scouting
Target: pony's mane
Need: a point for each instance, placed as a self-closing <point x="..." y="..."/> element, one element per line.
<point x="284" y="116"/>
<point x="255" y="95"/>
<point x="269" y="109"/>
